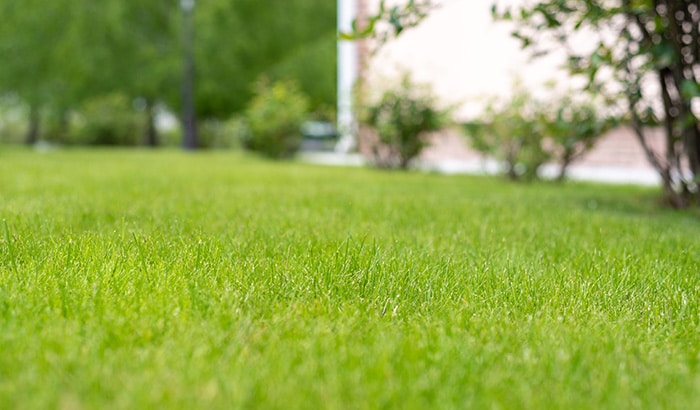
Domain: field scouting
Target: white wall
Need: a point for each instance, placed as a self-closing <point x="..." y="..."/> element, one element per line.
<point x="464" y="55"/>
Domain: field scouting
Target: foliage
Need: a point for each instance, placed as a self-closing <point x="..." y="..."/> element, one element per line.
<point x="636" y="43"/>
<point x="223" y="134"/>
<point x="108" y="120"/>
<point x="12" y="124"/>
<point x="210" y="134"/>
<point x="511" y="132"/>
<point x="155" y="279"/>
<point x="571" y="127"/>
<point x="388" y="22"/>
<point x="274" y="118"/>
<point x="524" y="132"/>
<point x="33" y="68"/>
<point x="134" y="48"/>
<point x="314" y="66"/>
<point x="400" y="122"/>
<point x="238" y="41"/>
<point x="621" y="47"/>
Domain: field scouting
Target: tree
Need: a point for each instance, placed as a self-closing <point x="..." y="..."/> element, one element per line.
<point x="240" y="41"/>
<point x="572" y="128"/>
<point x="400" y="122"/>
<point x="33" y="67"/>
<point x="130" y="48"/>
<point x="57" y="55"/>
<point x="60" y="54"/>
<point x="147" y="61"/>
<point x="639" y="43"/>
<point x="510" y="131"/>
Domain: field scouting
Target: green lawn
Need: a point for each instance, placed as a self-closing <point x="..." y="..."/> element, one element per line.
<point x="139" y="279"/>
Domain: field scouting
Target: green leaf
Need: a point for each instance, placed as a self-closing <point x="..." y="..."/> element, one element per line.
<point x="663" y="54"/>
<point x="690" y="89"/>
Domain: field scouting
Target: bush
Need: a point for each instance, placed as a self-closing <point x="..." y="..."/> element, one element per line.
<point x="274" y="119"/>
<point x="217" y="134"/>
<point x="509" y="133"/>
<point x="13" y="125"/>
<point x="524" y="133"/>
<point x="108" y="120"/>
<point x="573" y="129"/>
<point x="400" y="122"/>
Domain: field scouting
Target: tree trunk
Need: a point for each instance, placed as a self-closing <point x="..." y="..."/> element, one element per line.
<point x="678" y="190"/>
<point x="691" y="144"/>
<point x="511" y="162"/>
<point x="510" y="171"/>
<point x="151" y="131"/>
<point x="675" y="198"/>
<point x="32" y="135"/>
<point x="563" y="167"/>
<point x="63" y="127"/>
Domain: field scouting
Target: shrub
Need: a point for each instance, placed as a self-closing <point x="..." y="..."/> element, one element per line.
<point x="217" y="134"/>
<point x="524" y="133"/>
<point x="13" y="125"/>
<point x="274" y="119"/>
<point x="108" y="120"/>
<point x="572" y="129"/>
<point x="509" y="133"/>
<point x="400" y="122"/>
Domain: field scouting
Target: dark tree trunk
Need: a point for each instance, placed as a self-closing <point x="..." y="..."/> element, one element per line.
<point x="511" y="162"/>
<point x="510" y="171"/>
<point x="32" y="135"/>
<point x="563" y="167"/>
<point x="62" y="130"/>
<point x="151" y="131"/>
<point x="691" y="143"/>
<point x="679" y="166"/>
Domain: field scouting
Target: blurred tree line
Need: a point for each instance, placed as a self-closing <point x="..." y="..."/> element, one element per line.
<point x="81" y="68"/>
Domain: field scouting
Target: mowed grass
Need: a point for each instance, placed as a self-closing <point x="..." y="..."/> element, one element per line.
<point x="138" y="279"/>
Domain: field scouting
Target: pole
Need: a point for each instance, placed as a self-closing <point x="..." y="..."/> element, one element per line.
<point x="189" y="123"/>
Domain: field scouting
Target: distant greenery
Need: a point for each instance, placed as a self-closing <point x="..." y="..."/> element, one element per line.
<point x="108" y="120"/>
<point x="57" y="57"/>
<point x="511" y="133"/>
<point x="399" y="123"/>
<point x="524" y="132"/>
<point x="141" y="279"/>
<point x="274" y="118"/>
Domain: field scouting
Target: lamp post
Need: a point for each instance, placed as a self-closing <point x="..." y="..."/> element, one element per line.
<point x="189" y="123"/>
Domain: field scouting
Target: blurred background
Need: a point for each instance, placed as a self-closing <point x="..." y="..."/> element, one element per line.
<point x="80" y="72"/>
<point x="460" y="91"/>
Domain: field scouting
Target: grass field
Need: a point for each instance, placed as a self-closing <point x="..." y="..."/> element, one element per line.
<point x="137" y="279"/>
